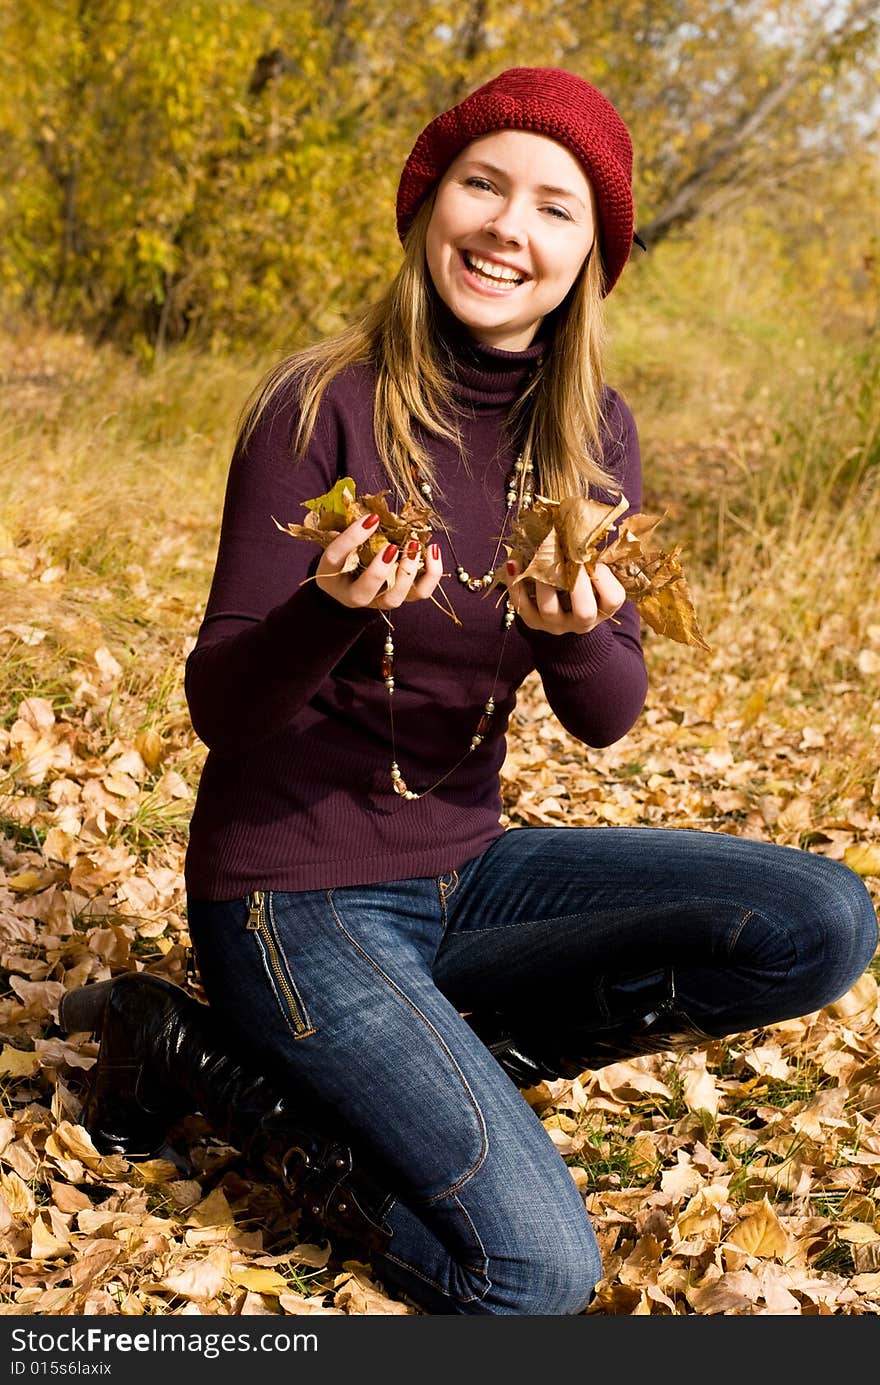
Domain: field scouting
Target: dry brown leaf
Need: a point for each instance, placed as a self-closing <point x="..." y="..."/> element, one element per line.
<point x="38" y="712"/>
<point x="307" y="1253"/>
<point x="259" y="1281"/>
<point x="760" y="1233"/>
<point x="155" y="1172"/>
<point x="554" y="540"/>
<point x="701" y="1217"/>
<point x="331" y="513"/>
<point x="17" y="1195"/>
<point x="67" y="1198"/>
<point x="861" y="998"/>
<point x="627" y="1081"/>
<point x="857" y="1233"/>
<point x="736" y="1292"/>
<point x="866" y="1283"/>
<point x="214" y="1210"/>
<point x="201" y="1279"/>
<point x="682" y="1180"/>
<point x="150" y="747"/>
<point x="298" y="1304"/>
<point x="26" y="881"/>
<point x="17" y="1062"/>
<point x="72" y="1144"/>
<point x="257" y="1305"/>
<point x="863" y="858"/>
<point x="93" y="1260"/>
<point x="45" y="1245"/>
<point x="357" y="1294"/>
<point x="699" y="1087"/>
<point x="615" y="1299"/>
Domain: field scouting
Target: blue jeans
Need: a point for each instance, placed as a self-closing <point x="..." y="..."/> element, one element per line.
<point x="356" y="994"/>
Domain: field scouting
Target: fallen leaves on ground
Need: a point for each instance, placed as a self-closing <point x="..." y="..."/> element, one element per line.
<point x="740" y="1179"/>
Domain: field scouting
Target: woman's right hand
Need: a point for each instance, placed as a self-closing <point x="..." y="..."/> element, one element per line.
<point x="368" y="586"/>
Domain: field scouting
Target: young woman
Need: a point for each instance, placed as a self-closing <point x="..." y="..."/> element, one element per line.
<point x="385" y="964"/>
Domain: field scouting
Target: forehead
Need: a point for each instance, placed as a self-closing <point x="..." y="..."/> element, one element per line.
<point x="524" y="154"/>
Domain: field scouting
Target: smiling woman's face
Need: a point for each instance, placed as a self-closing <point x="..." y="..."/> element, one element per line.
<point x="511" y="227"/>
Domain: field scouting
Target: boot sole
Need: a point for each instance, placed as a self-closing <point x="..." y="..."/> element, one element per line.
<point x="83" y="1009"/>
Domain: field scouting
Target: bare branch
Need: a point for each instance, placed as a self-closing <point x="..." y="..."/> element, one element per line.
<point x="684" y="201"/>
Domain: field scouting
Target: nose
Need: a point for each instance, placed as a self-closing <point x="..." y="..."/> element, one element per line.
<point x="507" y="225"/>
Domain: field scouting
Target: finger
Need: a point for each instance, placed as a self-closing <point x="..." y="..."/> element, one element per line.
<point x="516" y="593"/>
<point x="407" y="567"/>
<point x="610" y="594"/>
<point x="547" y="601"/>
<point x="372" y="584"/>
<point x="346" y="542"/>
<point x="427" y="580"/>
<point x="583" y="600"/>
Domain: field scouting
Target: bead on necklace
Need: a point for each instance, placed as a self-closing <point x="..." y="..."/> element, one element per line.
<point x="520" y="489"/>
<point x="519" y="493"/>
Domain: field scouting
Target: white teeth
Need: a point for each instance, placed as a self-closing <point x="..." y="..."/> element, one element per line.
<point x="494" y="271"/>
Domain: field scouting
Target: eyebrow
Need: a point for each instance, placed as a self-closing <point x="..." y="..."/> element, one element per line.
<point x="542" y="187"/>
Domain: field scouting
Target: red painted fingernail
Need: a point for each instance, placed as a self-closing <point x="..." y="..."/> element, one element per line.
<point x="435" y="551"/>
<point x="412" y="548"/>
<point x="370" y="521"/>
<point x="390" y="553"/>
<point x="511" y="568"/>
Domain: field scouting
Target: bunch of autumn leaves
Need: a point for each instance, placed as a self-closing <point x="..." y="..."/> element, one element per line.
<point x="551" y="542"/>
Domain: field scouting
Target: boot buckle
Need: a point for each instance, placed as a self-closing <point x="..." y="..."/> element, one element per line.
<point x="289" y="1159"/>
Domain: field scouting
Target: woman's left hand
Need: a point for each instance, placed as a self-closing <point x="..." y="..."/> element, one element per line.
<point x="592" y="601"/>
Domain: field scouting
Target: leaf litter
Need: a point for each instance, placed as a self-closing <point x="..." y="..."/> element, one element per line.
<point x="741" y="1179"/>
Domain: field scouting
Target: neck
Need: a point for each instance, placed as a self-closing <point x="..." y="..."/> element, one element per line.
<point x="485" y="377"/>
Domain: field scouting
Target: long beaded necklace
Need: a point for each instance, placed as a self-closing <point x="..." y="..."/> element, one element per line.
<point x="519" y="493"/>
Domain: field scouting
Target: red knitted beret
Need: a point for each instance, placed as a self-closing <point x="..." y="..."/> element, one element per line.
<point x="548" y="101"/>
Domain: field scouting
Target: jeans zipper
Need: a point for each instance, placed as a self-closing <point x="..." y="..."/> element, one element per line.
<point x="256" y="923"/>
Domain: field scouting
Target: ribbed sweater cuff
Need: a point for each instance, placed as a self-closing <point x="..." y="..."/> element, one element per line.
<point x="570" y="657"/>
<point x="311" y="622"/>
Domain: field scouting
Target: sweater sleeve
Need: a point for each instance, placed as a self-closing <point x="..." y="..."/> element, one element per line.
<point x="269" y="636"/>
<point x="597" y="683"/>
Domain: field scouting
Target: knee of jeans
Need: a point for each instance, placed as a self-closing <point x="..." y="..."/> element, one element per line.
<point x="547" y="1280"/>
<point x="842" y="901"/>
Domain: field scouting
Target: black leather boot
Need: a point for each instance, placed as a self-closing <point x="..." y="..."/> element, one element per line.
<point x="163" y="1054"/>
<point x="636" y="1014"/>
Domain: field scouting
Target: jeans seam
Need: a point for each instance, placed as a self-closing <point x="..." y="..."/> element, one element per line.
<point x="484" y="1266"/>
<point x="482" y="1269"/>
<point x="438" y="1039"/>
<point x="581" y="913"/>
<point x="732" y="941"/>
<point x="426" y="1278"/>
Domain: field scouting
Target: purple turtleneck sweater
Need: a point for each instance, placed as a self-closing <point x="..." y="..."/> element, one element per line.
<point x="285" y="687"/>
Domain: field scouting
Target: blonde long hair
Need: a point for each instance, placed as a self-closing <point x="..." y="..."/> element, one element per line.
<point x="557" y="417"/>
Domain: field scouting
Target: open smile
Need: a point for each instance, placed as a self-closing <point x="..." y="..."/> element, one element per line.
<point x="490" y="277"/>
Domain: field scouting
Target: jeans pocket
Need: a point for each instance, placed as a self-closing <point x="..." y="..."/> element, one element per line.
<point x="261" y="926"/>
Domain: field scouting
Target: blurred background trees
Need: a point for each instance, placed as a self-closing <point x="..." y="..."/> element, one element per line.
<point x="225" y="172"/>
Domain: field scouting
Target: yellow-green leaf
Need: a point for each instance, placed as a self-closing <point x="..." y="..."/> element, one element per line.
<point x="338" y="500"/>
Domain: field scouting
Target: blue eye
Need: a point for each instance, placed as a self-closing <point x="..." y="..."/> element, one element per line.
<point x="474" y="181"/>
